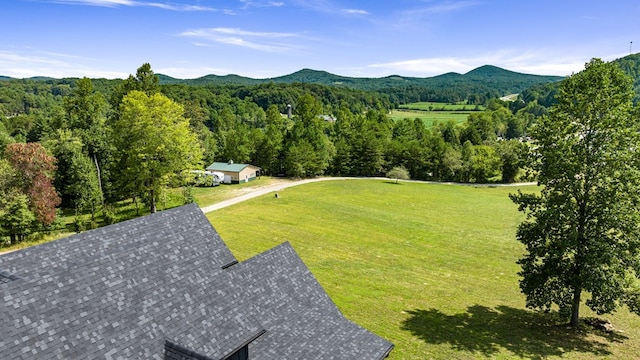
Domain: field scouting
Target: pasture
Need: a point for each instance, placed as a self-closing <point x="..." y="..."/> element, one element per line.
<point x="436" y="106"/>
<point x="430" y="267"/>
<point x="430" y="117"/>
<point x="432" y="112"/>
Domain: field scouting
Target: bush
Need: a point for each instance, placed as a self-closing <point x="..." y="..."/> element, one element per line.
<point x="109" y="215"/>
<point x="398" y="173"/>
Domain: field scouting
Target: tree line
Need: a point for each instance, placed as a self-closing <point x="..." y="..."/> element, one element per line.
<point x="109" y="140"/>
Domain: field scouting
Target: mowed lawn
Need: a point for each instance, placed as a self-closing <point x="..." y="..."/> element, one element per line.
<point x="429" y="267"/>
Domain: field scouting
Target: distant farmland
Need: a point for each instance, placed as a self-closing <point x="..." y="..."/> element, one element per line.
<point x="432" y="112"/>
<point x="435" y="106"/>
<point x="431" y="117"/>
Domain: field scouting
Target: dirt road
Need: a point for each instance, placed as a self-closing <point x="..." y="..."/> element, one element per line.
<point x="263" y="191"/>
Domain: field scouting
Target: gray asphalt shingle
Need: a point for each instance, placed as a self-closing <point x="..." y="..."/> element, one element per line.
<point x="132" y="289"/>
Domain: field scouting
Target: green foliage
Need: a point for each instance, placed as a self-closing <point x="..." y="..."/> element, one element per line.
<point x="230" y="120"/>
<point x="5" y="138"/>
<point x="484" y="83"/>
<point x="360" y="142"/>
<point x="512" y="158"/>
<point x="484" y="163"/>
<point x="34" y="170"/>
<point x="154" y="144"/>
<point x="268" y="153"/>
<point x="76" y="179"/>
<point x="109" y="215"/>
<point x="16" y="218"/>
<point x="309" y="149"/>
<point x="145" y="81"/>
<point x="631" y="66"/>
<point x="582" y="233"/>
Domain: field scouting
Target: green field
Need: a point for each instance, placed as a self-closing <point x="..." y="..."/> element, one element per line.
<point x="432" y="112"/>
<point x="436" y="106"/>
<point x="429" y="267"/>
<point x="431" y="117"/>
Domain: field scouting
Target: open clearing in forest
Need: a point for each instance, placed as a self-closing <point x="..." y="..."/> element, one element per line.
<point x="430" y="117"/>
<point x="429" y="267"/>
<point x="436" y="106"/>
<point x="432" y="112"/>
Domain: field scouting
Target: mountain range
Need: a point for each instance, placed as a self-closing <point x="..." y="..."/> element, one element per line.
<point x="487" y="80"/>
<point x="486" y="75"/>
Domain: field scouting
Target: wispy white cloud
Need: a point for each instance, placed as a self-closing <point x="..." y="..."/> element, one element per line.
<point x="427" y="67"/>
<point x="260" y="3"/>
<point x="28" y="63"/>
<point x="448" y="6"/>
<point x="428" y="11"/>
<point x="263" y="41"/>
<point x="315" y="5"/>
<point x="160" y="5"/>
<point x="542" y="62"/>
<point x="354" y="12"/>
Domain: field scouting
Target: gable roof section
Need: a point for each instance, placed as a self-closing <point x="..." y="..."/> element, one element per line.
<point x="302" y="321"/>
<point x="230" y="167"/>
<point x="154" y="284"/>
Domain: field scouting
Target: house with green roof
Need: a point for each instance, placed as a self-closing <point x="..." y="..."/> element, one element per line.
<point x="235" y="173"/>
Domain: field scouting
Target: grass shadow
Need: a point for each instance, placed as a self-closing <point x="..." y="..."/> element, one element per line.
<point x="485" y="331"/>
<point x="393" y="182"/>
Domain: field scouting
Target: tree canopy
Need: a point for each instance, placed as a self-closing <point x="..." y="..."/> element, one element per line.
<point x="155" y="144"/>
<point x="29" y="199"/>
<point x="582" y="232"/>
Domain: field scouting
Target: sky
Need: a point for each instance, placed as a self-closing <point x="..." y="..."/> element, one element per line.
<point x="269" y="38"/>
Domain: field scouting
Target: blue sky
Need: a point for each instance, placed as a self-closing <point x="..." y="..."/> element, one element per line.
<point x="268" y="38"/>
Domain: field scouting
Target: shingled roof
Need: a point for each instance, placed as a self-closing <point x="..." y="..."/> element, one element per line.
<point x="165" y="286"/>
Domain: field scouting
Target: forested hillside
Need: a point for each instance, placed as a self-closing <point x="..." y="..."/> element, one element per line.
<point x="478" y="85"/>
<point x="475" y="87"/>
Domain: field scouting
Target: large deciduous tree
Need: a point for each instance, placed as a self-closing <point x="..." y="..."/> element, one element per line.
<point x="35" y="169"/>
<point x="582" y="232"/>
<point x="26" y="189"/>
<point x="154" y="144"/>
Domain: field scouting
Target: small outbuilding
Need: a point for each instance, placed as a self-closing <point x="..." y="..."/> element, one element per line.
<point x="235" y="173"/>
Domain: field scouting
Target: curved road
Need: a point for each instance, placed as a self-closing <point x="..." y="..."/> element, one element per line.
<point x="263" y="191"/>
<point x="277" y="187"/>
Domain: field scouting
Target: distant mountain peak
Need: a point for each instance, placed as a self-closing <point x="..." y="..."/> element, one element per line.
<point x="488" y="70"/>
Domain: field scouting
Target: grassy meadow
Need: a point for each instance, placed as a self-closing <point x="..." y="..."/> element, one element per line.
<point x="430" y="117"/>
<point x="429" y="267"/>
<point x="432" y="112"/>
<point x="436" y="106"/>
